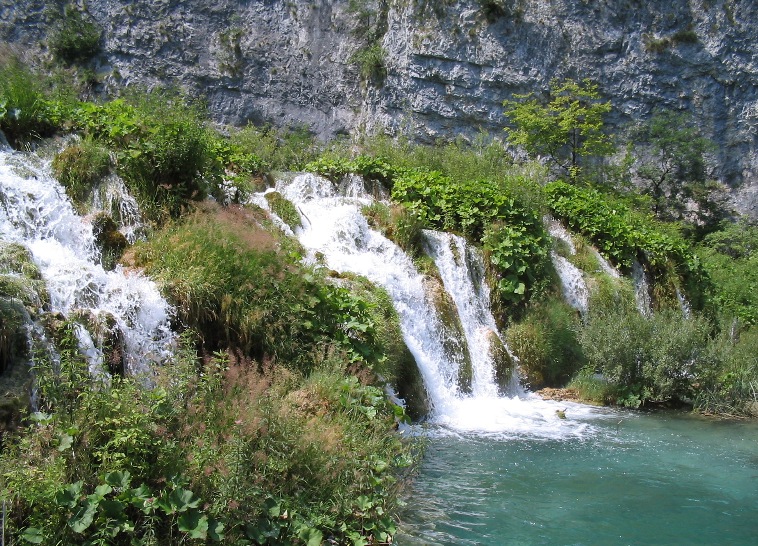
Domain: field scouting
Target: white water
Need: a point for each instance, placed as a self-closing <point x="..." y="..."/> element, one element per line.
<point x="35" y="212"/>
<point x="462" y="272"/>
<point x="334" y="230"/>
<point x="641" y="290"/>
<point x="573" y="286"/>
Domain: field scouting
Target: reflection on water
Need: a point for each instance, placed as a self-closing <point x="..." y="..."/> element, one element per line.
<point x="628" y="478"/>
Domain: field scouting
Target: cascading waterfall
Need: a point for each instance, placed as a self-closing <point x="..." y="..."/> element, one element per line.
<point x="462" y="272"/>
<point x="35" y="212"/>
<point x="572" y="280"/>
<point x="641" y="290"/>
<point x="334" y="230"/>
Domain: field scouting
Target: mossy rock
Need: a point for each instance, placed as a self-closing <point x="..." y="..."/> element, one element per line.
<point x="284" y="209"/>
<point x="15" y="400"/>
<point x="107" y="336"/>
<point x="399" y="367"/>
<point x="504" y="364"/>
<point x="453" y="336"/>
<point x="14" y="343"/>
<point x="109" y="240"/>
<point x="16" y="258"/>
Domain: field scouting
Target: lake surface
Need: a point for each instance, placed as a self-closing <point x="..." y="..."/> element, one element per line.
<point x="622" y="478"/>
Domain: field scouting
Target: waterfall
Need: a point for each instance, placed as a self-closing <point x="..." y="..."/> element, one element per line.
<point x="462" y="272"/>
<point x="641" y="290"/>
<point x="36" y="213"/>
<point x="573" y="286"/>
<point x="334" y="231"/>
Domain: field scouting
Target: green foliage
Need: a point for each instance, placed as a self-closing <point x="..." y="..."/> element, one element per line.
<point x="80" y="167"/>
<point x="371" y="63"/>
<point x="25" y="112"/>
<point x="730" y="256"/>
<point x="565" y="128"/>
<point x="335" y="167"/>
<point x="161" y="145"/>
<point x="76" y="38"/>
<point x="262" y="149"/>
<point x="731" y="387"/>
<point x="228" y="281"/>
<point x="237" y="452"/>
<point x="657" y="358"/>
<point x="545" y="342"/>
<point x="512" y="235"/>
<point x="624" y="236"/>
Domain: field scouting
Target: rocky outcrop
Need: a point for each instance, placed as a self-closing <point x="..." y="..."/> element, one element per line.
<point x="447" y="65"/>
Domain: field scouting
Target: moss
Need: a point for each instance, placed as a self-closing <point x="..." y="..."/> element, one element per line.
<point x="109" y="240"/>
<point x="453" y="336"/>
<point x="79" y="168"/>
<point x="399" y="368"/>
<point x="284" y="209"/>
<point x="504" y="364"/>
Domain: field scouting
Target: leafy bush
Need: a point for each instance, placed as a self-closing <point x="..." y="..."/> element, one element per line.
<point x="162" y="148"/>
<point x="545" y="342"/>
<point x="657" y="358"/>
<point x="76" y="38"/>
<point x="730" y="256"/>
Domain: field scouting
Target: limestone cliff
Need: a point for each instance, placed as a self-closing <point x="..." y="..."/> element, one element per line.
<point x="443" y="67"/>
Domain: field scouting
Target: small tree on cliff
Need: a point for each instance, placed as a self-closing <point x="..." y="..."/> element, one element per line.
<point x="564" y="128"/>
<point x="673" y="172"/>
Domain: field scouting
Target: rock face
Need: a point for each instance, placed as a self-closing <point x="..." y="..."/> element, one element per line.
<point x="447" y="65"/>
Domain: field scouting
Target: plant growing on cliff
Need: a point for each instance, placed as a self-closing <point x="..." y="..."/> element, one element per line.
<point x="673" y="172"/>
<point x="565" y="127"/>
<point x="76" y="38"/>
<point x="371" y="62"/>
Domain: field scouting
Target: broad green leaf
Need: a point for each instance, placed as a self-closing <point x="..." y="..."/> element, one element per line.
<point x="119" y="479"/>
<point x="69" y="496"/>
<point x="311" y="536"/>
<point x="33" y="535"/>
<point x="83" y="517"/>
<point x="192" y="523"/>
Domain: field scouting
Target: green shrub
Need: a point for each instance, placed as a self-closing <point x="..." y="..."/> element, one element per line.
<point x="730" y="387"/>
<point x="545" y="342"/>
<point x="162" y="147"/>
<point x="76" y="38"/>
<point x="649" y="359"/>
<point x="80" y="167"/>
<point x="371" y="63"/>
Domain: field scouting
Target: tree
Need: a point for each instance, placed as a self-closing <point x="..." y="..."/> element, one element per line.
<point x="673" y="172"/>
<point x="565" y="128"/>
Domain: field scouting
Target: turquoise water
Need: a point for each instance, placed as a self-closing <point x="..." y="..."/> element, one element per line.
<point x="626" y="478"/>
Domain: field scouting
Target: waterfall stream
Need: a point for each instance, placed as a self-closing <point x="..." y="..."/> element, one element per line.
<point x="334" y="230"/>
<point x="36" y="213"/>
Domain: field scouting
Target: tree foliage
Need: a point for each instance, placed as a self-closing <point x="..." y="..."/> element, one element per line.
<point x="566" y="128"/>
